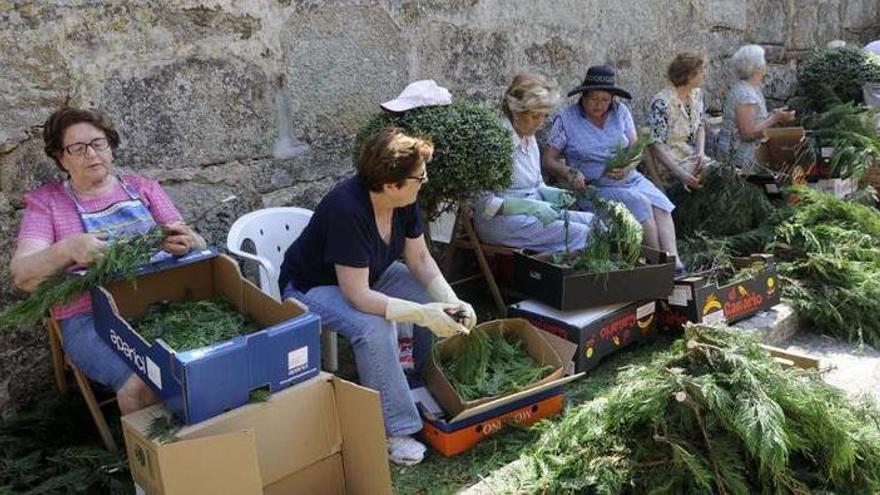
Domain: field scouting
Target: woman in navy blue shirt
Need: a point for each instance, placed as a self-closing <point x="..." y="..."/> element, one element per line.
<point x="345" y="267"/>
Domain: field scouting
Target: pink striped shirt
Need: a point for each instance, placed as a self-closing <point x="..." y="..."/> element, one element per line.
<point x="50" y="215"/>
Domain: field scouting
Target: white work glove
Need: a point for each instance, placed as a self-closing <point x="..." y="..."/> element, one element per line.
<point x="439" y="290"/>
<point x="432" y="316"/>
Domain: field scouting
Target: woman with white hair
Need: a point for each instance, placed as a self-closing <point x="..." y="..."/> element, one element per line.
<point x="745" y="111"/>
<point x="529" y="214"/>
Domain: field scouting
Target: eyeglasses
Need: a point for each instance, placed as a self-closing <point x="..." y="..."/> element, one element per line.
<point x="421" y="178"/>
<point x="79" y="149"/>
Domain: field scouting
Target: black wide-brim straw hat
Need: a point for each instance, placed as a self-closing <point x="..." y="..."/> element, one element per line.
<point x="603" y="78"/>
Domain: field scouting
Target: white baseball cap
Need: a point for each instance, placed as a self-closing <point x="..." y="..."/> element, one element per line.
<point x="422" y="93"/>
<point x="873" y="47"/>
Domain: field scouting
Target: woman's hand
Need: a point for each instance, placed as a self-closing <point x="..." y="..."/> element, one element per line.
<point x="180" y="239"/>
<point x="782" y="115"/>
<point x="576" y="179"/>
<point x="85" y="249"/>
<point x="621" y="173"/>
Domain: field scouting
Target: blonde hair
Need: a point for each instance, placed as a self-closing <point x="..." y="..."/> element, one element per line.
<point x="530" y="92"/>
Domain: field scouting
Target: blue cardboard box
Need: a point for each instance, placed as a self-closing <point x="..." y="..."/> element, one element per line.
<point x="197" y="384"/>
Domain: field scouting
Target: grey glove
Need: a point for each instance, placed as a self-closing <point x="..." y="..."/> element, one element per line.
<point x="541" y="210"/>
<point x="559" y="198"/>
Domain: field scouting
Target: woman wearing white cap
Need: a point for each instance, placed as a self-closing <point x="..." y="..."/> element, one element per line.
<point x="528" y="214"/>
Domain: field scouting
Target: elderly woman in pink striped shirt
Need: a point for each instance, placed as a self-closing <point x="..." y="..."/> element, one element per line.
<point x="69" y="223"/>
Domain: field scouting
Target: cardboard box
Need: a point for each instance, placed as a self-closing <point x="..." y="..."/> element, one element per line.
<point x="598" y="332"/>
<point x="699" y="300"/>
<point x="451" y="439"/>
<point x="567" y="289"/>
<point x="322" y="436"/>
<point x="200" y="383"/>
<point x="546" y="350"/>
<point x="782" y="146"/>
<point x="839" y="188"/>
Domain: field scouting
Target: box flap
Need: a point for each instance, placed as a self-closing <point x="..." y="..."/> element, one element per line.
<point x="364" y="454"/>
<point x="507" y="399"/>
<point x="224" y="463"/>
<point x="578" y="318"/>
<point x="293" y="429"/>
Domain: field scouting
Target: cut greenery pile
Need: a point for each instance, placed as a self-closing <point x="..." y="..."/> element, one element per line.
<point x="713" y="414"/>
<point x="850" y="131"/>
<point x="831" y="249"/>
<point x="615" y="242"/>
<point x="185" y="325"/>
<point x="487" y="365"/>
<point x="121" y="259"/>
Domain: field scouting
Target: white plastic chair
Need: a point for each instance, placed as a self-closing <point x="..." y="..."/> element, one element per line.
<point x="272" y="231"/>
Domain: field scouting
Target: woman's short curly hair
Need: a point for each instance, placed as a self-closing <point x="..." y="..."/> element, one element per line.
<point x="61" y="119"/>
<point x="530" y="92"/>
<point x="391" y="156"/>
<point x="684" y="67"/>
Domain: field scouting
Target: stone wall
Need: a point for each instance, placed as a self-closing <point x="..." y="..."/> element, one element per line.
<point x="261" y="98"/>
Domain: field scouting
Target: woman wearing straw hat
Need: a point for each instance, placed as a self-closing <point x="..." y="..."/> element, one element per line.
<point x="586" y="135"/>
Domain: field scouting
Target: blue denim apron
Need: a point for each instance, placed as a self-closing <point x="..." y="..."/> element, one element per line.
<point x="126" y="218"/>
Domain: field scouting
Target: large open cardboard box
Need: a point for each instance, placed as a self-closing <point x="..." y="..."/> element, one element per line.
<point x="200" y="383"/>
<point x="323" y="436"/>
<point x="545" y="349"/>
<point x="564" y="288"/>
<point x="598" y="332"/>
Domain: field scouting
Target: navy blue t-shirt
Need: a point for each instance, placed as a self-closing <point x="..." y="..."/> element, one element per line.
<point x="343" y="232"/>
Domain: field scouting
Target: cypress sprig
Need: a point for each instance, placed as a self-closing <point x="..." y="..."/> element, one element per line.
<point x="120" y="260"/>
<point x="489" y="365"/>
<point x="714" y="414"/>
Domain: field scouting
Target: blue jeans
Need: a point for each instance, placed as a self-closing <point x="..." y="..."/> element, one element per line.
<point x="91" y="354"/>
<point x="374" y="340"/>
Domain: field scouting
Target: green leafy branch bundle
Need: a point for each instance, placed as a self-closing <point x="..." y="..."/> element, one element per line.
<point x="186" y="325"/>
<point x="615" y="242"/>
<point x="624" y="156"/>
<point x="472" y="151"/>
<point x="713" y="414"/>
<point x="121" y="259"/>
<point x="489" y="365"/>
<point x="849" y="129"/>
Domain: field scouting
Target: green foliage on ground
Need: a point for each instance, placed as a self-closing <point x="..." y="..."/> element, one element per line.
<point x="725" y="205"/>
<point x="53" y="448"/>
<point x="186" y="325"/>
<point x="713" y="414"/>
<point x="831" y="249"/>
<point x="850" y="130"/>
<point x="121" y="259"/>
<point x="832" y="75"/>
<point x="487" y="365"/>
<point x="472" y="151"/>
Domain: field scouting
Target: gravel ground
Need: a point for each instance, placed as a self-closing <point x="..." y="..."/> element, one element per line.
<point x="855" y="370"/>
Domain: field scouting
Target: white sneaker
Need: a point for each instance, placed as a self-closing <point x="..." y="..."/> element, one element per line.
<point x="405" y="450"/>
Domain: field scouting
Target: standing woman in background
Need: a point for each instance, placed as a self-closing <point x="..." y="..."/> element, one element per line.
<point x="745" y="110"/>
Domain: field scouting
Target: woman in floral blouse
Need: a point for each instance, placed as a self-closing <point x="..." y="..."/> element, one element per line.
<point x="678" y="132"/>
